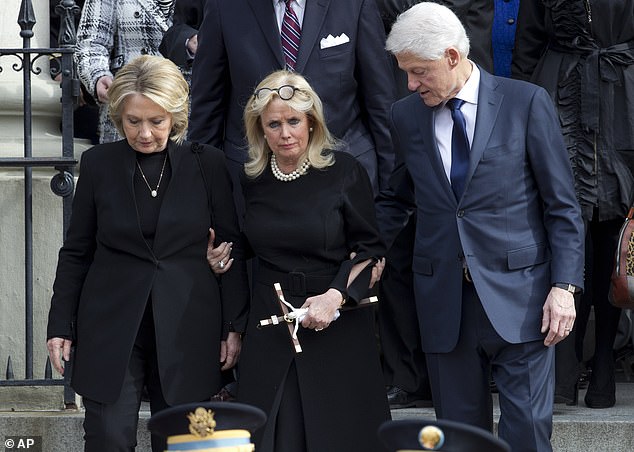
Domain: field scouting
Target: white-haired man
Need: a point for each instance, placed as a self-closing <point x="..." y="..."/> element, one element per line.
<point x="499" y="230"/>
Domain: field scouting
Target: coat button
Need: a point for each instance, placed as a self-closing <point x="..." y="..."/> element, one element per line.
<point x="143" y="51"/>
<point x="511" y="21"/>
<point x="137" y="14"/>
<point x="460" y="213"/>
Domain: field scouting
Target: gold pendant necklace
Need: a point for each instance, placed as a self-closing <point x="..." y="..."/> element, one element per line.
<point x="154" y="192"/>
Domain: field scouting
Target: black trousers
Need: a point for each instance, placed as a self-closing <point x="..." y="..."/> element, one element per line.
<point x="112" y="427"/>
<point x="601" y="244"/>
<point x="402" y="356"/>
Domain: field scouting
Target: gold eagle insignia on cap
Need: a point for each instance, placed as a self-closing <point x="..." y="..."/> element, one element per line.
<point x="201" y="422"/>
<point x="431" y="437"/>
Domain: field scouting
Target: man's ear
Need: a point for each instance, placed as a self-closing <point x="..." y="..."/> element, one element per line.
<point x="453" y="56"/>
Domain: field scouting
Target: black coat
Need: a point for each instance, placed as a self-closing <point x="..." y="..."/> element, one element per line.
<point x="188" y="15"/>
<point x="107" y="272"/>
<point x="582" y="52"/>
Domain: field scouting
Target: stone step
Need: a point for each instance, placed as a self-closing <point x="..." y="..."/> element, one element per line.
<point x="575" y="428"/>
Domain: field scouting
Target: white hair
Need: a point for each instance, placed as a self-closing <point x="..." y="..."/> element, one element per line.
<point x="427" y="30"/>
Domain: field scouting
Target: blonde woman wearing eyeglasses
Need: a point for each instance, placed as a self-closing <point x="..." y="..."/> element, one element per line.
<point x="307" y="209"/>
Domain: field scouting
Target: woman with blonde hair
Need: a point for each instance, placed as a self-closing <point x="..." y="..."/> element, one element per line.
<point x="133" y="292"/>
<point x="308" y="209"/>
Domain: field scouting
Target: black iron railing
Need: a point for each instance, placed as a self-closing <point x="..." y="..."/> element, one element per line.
<point x="62" y="184"/>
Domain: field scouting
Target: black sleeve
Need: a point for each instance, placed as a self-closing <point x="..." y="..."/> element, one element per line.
<point x="530" y="39"/>
<point x="396" y="203"/>
<point x="234" y="283"/>
<point x="75" y="257"/>
<point x="362" y="233"/>
<point x="188" y="15"/>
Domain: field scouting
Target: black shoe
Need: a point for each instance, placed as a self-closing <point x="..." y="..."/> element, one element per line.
<point x="399" y="398"/>
<point x="601" y="391"/>
<point x="226" y="394"/>
<point x="599" y="400"/>
<point x="604" y="397"/>
<point x="568" y="396"/>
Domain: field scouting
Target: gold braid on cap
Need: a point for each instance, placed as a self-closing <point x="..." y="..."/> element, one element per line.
<point x="201" y="422"/>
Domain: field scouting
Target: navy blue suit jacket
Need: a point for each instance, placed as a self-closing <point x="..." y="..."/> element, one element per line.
<point x="517" y="226"/>
<point x="239" y="44"/>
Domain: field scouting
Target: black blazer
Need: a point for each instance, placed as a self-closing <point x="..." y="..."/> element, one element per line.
<point x="107" y="272"/>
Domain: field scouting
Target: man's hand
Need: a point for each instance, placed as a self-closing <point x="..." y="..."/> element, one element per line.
<point x="192" y="45"/>
<point x="559" y="315"/>
<point x="377" y="271"/>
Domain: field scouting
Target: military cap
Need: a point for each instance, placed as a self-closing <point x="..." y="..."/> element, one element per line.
<point x="410" y="435"/>
<point x="207" y="426"/>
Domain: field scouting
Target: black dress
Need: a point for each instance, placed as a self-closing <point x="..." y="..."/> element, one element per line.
<point x="331" y="395"/>
<point x="582" y="52"/>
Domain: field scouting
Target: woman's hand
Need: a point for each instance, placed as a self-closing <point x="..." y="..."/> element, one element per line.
<point x="102" y="87"/>
<point x="321" y="309"/>
<point x="219" y="258"/>
<point x="230" y="350"/>
<point x="58" y="348"/>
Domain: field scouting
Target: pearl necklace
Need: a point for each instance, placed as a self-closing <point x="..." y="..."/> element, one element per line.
<point x="154" y="192"/>
<point x="279" y="175"/>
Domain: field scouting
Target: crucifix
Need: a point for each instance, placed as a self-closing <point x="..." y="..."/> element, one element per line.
<point x="293" y="316"/>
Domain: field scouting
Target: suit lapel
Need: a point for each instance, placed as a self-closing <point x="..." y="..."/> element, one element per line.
<point x="128" y="161"/>
<point x="489" y="103"/>
<point x="265" y="15"/>
<point x="313" y="20"/>
<point x="427" y="131"/>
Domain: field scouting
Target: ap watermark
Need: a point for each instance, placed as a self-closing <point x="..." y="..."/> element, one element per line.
<point x="26" y="443"/>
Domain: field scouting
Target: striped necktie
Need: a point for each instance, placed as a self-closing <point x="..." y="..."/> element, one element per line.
<point x="291" y="34"/>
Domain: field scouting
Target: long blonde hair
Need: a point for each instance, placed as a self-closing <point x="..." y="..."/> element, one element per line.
<point x="305" y="100"/>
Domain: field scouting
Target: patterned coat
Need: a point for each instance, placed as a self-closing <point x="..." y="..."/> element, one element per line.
<point x="111" y="33"/>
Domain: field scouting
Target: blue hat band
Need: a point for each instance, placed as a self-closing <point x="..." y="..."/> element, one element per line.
<point x="209" y="444"/>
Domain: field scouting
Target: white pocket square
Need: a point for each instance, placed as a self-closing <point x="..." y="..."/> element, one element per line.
<point x="332" y="41"/>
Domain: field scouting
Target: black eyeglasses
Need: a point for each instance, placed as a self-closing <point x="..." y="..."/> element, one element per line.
<point x="286" y="92"/>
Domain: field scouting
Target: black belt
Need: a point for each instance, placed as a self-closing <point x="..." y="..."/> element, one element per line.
<point x="295" y="284"/>
<point x="600" y="65"/>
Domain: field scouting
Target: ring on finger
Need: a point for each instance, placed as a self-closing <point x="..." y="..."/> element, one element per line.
<point x="221" y="264"/>
<point x="318" y="329"/>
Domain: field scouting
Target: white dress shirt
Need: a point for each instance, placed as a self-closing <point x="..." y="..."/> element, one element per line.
<point x="443" y="124"/>
<point x="298" y="6"/>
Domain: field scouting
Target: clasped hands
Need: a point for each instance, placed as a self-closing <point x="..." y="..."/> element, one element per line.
<point x="321" y="308"/>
